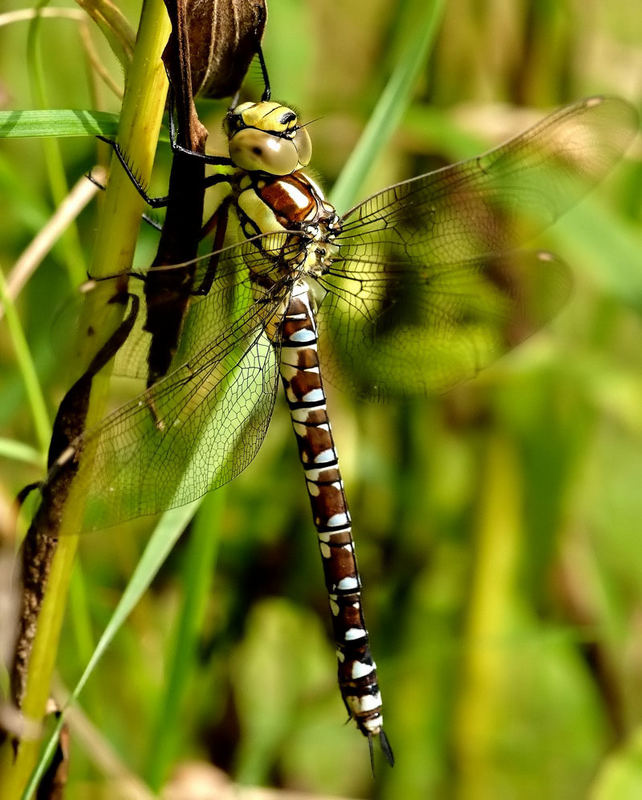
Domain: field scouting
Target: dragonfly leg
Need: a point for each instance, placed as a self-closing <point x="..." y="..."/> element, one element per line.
<point x="207" y="159"/>
<point x="146" y="218"/>
<point x="154" y="202"/>
<point x="163" y="200"/>
<point x="267" y="91"/>
<point x="213" y="180"/>
<point x="95" y="181"/>
<point x="217" y="222"/>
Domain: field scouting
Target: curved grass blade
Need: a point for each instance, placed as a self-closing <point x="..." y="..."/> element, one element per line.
<point x="166" y="534"/>
<point x="389" y="108"/>
<point x="58" y="122"/>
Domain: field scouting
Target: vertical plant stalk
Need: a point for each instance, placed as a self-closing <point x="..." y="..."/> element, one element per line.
<point x="493" y="608"/>
<point x="70" y="240"/>
<point x="140" y="120"/>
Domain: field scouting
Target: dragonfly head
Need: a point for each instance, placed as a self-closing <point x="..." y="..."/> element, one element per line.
<point x="267" y="137"/>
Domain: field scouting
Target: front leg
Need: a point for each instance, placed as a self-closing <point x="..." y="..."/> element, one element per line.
<point x="163" y="201"/>
<point x="154" y="202"/>
<point x="221" y="161"/>
<point x="146" y="218"/>
<point x="218" y="223"/>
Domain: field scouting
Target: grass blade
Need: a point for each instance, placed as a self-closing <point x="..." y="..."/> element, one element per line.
<point x="58" y="122"/>
<point x="166" y="534"/>
<point x="389" y="108"/>
<point x="198" y="573"/>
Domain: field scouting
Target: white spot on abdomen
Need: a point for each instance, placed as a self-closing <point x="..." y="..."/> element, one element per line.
<point x="314" y="396"/>
<point x="369" y="702"/>
<point x="300" y="414"/>
<point x="302" y="335"/>
<point x="360" y="670"/>
<point x="324" y="456"/>
<point x="373" y="724"/>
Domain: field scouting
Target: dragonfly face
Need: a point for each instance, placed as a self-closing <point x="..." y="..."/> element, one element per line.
<point x="266" y="137"/>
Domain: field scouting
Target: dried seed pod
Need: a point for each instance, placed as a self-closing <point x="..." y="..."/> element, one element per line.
<point x="223" y="39"/>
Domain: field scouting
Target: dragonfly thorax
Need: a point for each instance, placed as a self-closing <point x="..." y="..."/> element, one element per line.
<point x="288" y="203"/>
<point x="266" y="137"/>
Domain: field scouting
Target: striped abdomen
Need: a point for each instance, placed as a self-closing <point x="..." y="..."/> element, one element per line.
<point x="306" y="397"/>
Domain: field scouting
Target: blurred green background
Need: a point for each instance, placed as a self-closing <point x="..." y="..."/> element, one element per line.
<point x="498" y="527"/>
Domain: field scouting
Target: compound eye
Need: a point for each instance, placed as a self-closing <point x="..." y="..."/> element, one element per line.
<point x="303" y="146"/>
<point x="258" y="151"/>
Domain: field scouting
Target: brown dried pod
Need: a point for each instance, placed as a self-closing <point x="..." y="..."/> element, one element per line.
<point x="223" y="39"/>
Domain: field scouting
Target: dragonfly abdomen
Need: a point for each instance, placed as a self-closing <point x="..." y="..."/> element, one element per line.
<point x="301" y="375"/>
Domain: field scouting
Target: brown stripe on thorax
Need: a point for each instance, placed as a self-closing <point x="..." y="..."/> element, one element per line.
<point x="290" y="199"/>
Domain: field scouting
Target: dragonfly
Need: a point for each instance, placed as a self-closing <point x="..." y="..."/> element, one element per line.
<point x="412" y="291"/>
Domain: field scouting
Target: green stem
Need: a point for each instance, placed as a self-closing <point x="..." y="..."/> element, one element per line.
<point x="492" y="608"/>
<point x="142" y="111"/>
<point x="25" y="364"/>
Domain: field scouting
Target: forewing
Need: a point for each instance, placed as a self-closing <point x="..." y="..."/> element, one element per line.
<point x="430" y="263"/>
<point x="192" y="431"/>
<point x="210" y="315"/>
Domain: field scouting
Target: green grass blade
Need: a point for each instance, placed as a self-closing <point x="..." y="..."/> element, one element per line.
<point x="58" y="122"/>
<point x="114" y="26"/>
<point x="166" y="534"/>
<point x="115" y="242"/>
<point x="27" y="369"/>
<point x="389" y="108"/>
<point x="18" y="451"/>
<point x="198" y="574"/>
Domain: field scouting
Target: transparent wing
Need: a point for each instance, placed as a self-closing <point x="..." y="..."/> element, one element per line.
<point x="427" y="263"/>
<point x="193" y="430"/>
<point x="433" y="336"/>
<point x="207" y="316"/>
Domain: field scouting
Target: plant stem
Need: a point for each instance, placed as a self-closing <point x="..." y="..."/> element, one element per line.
<point x="140" y="120"/>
